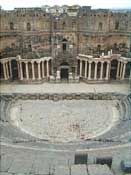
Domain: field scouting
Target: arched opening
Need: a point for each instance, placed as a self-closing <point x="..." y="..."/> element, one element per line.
<point x="87" y="68"/>
<point x="113" y="70"/>
<point x="14" y="67"/>
<point x="30" y="69"/>
<point x="64" y="70"/>
<point x="104" y="69"/>
<point x="100" y="26"/>
<point x="28" y="27"/>
<point x="78" y="67"/>
<point x="64" y="44"/>
<point x="11" y="26"/>
<point x="50" y="67"/>
<point x="24" y="69"/>
<point x="128" y="70"/>
<point x="1" y="71"/>
<point x="41" y="69"/>
<point x="83" y="68"/>
<point x="45" y="68"/>
<point x="36" y="69"/>
<point x="98" y="69"/>
<point x="99" y="48"/>
<point x="92" y="70"/>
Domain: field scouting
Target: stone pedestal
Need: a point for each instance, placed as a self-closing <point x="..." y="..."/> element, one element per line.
<point x="70" y="77"/>
<point x="58" y="76"/>
<point x="77" y="79"/>
<point x="52" y="79"/>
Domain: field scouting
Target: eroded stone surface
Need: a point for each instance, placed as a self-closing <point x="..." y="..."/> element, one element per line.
<point x="64" y="120"/>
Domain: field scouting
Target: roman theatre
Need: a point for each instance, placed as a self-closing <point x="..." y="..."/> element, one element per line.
<point x="65" y="90"/>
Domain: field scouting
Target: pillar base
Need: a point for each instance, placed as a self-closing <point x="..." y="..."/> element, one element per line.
<point x="52" y="79"/>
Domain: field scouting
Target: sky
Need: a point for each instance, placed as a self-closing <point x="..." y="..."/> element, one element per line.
<point x="11" y="4"/>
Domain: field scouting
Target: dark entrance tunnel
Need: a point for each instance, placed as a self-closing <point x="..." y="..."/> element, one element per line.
<point x="64" y="73"/>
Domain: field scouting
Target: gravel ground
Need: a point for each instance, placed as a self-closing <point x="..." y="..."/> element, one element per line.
<point x="64" y="121"/>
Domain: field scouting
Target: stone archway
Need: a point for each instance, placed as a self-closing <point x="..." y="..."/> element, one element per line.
<point x="113" y="69"/>
<point x="64" y="70"/>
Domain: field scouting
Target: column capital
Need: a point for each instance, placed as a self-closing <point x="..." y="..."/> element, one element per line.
<point x="38" y="62"/>
<point x="125" y="62"/>
<point x="90" y="62"/>
<point x="96" y="62"/>
<point x="108" y="62"/>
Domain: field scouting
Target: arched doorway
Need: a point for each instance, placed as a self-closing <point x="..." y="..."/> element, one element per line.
<point x="113" y="70"/>
<point x="64" y="70"/>
<point x="14" y="67"/>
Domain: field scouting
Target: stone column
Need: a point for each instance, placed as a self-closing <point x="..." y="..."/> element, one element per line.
<point x="124" y="69"/>
<point x="18" y="70"/>
<point x="130" y="74"/>
<point x="47" y="64"/>
<point x="85" y="69"/>
<point x="89" y="71"/>
<point x="118" y="70"/>
<point x="107" y="70"/>
<point x="10" y="69"/>
<point x="7" y="70"/>
<point x="27" y="71"/>
<point x="4" y="69"/>
<point x="80" y="68"/>
<point x="121" y="70"/>
<point x="101" y="73"/>
<point x="43" y="71"/>
<point x="33" y="71"/>
<point x="39" y="72"/>
<point x="95" y="75"/>
<point x="21" y="71"/>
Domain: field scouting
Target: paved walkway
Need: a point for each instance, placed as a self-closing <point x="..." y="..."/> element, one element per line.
<point x="64" y="88"/>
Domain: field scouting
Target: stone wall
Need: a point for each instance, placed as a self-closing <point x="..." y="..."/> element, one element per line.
<point x="89" y="31"/>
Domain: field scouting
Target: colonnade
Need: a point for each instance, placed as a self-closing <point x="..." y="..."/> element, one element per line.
<point x="91" y="67"/>
<point x="43" y="68"/>
<point x="6" y="71"/>
<point x="88" y="68"/>
<point x="121" y="69"/>
<point x="26" y="69"/>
